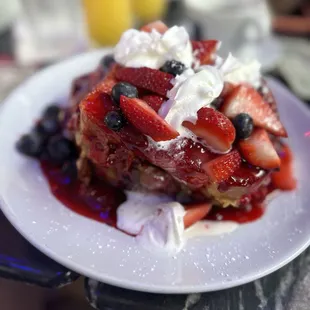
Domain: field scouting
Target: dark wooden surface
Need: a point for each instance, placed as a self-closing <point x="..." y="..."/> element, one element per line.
<point x="286" y="289"/>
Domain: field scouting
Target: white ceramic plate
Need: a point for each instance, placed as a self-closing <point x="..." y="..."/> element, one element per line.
<point x="100" y="252"/>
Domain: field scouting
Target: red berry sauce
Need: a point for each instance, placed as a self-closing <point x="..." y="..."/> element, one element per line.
<point x="99" y="201"/>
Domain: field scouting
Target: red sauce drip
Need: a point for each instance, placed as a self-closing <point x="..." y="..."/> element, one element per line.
<point x="99" y="201"/>
<point x="239" y="215"/>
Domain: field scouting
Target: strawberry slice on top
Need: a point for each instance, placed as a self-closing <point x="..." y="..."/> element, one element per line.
<point x="222" y="167"/>
<point x="157" y="25"/>
<point x="284" y="179"/>
<point x="106" y="85"/>
<point x="205" y="51"/>
<point x="245" y="99"/>
<point x="144" y="118"/>
<point x="214" y="128"/>
<point x="258" y="150"/>
<point x="150" y="79"/>
<point x="153" y="101"/>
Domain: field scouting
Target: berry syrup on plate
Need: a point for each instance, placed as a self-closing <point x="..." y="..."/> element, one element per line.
<point x="99" y="200"/>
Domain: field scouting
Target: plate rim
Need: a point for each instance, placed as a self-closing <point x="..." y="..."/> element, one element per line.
<point x="127" y="284"/>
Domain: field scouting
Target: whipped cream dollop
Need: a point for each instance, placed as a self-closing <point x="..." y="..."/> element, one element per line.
<point x="155" y="219"/>
<point x="137" y="210"/>
<point x="236" y="72"/>
<point x="158" y="224"/>
<point x="191" y="92"/>
<point x="165" y="230"/>
<point x="152" y="49"/>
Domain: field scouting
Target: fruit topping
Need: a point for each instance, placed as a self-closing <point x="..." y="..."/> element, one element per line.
<point x="60" y="149"/>
<point x="204" y="51"/>
<point x="245" y="176"/>
<point x="245" y="99"/>
<point x="153" y="101"/>
<point x="30" y="144"/>
<point x="173" y="67"/>
<point x="106" y="85"/>
<point x="267" y="95"/>
<point x="124" y="89"/>
<point x="107" y="61"/>
<point x="217" y="102"/>
<point x="195" y="213"/>
<point x="243" y="123"/>
<point x="51" y="111"/>
<point x="258" y="150"/>
<point x="214" y="128"/>
<point x="284" y="179"/>
<point x="157" y="25"/>
<point x="222" y="167"/>
<point x="144" y="118"/>
<point x="146" y="78"/>
<point x="114" y="120"/>
<point x="50" y="123"/>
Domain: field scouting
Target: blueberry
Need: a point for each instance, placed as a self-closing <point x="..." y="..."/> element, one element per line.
<point x="173" y="67"/>
<point x="50" y="123"/>
<point x="107" y="61"/>
<point x="51" y="111"/>
<point x="50" y="126"/>
<point x="243" y="123"/>
<point x="60" y="149"/>
<point x="39" y="130"/>
<point x="30" y="144"/>
<point x="114" y="120"/>
<point x="124" y="89"/>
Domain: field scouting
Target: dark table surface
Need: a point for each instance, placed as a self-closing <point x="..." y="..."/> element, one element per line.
<point x="287" y="289"/>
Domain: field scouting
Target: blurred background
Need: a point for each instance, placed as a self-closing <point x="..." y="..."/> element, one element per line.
<point x="37" y="33"/>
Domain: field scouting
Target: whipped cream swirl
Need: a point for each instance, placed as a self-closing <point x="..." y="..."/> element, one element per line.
<point x="191" y="92"/>
<point x="152" y="49"/>
<point x="236" y="72"/>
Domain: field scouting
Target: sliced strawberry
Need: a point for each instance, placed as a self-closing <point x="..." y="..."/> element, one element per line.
<point x="227" y="89"/>
<point x="153" y="101"/>
<point x="204" y="51"/>
<point x="147" y="78"/>
<point x="258" y="150"/>
<point x="111" y="73"/>
<point x="245" y="99"/>
<point x="215" y="128"/>
<point x="106" y="85"/>
<point x="144" y="118"/>
<point x="284" y="179"/>
<point x="195" y="213"/>
<point x="222" y="167"/>
<point x="267" y="95"/>
<point x="157" y="25"/>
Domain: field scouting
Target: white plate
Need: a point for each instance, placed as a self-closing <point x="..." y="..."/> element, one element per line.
<point x="100" y="252"/>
